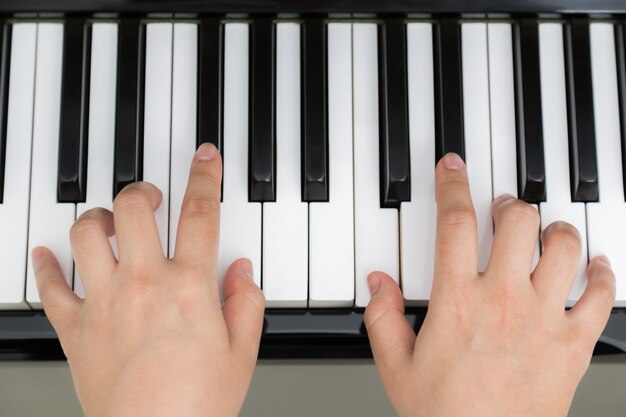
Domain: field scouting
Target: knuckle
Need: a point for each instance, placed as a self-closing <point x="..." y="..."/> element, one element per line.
<point x="131" y="198"/>
<point x="458" y="216"/>
<point x="519" y="210"/>
<point x="211" y="172"/>
<point x="567" y="236"/>
<point x="84" y="225"/>
<point x="255" y="296"/>
<point x="201" y="205"/>
<point x="605" y="292"/>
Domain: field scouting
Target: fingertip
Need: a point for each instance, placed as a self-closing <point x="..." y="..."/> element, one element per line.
<point x="206" y="152"/>
<point x="37" y="254"/>
<point x="373" y="282"/>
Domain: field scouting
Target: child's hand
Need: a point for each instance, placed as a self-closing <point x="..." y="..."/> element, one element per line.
<point x="499" y="343"/>
<point x="150" y="338"/>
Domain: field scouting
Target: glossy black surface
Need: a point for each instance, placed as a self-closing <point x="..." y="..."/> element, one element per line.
<point x="448" y="79"/>
<point x="581" y="122"/>
<point x="274" y="6"/>
<point x="74" y="125"/>
<point x="5" y="57"/>
<point x="130" y="103"/>
<point x="261" y="134"/>
<point x="620" y="49"/>
<point x="210" y="62"/>
<point x="393" y="108"/>
<point x="287" y="334"/>
<point x="314" y="111"/>
<point x="531" y="171"/>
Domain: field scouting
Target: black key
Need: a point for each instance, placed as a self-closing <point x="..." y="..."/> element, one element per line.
<point x="262" y="145"/>
<point x="74" y="125"/>
<point x="314" y="112"/>
<point x="581" y="125"/>
<point x="531" y="169"/>
<point x="130" y="97"/>
<point x="620" y="49"/>
<point x="209" y="120"/>
<point x="393" y="107"/>
<point x="448" y="88"/>
<point x="5" y="56"/>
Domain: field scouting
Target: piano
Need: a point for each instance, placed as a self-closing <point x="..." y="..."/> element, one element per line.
<point x="330" y="117"/>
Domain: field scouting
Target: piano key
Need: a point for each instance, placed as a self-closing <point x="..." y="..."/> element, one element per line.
<point x="184" y="115"/>
<point x="101" y="134"/>
<point x="14" y="207"/>
<point x="314" y="112"/>
<point x="502" y="78"/>
<point x="418" y="216"/>
<point x="393" y="109"/>
<point x="130" y="102"/>
<point x="375" y="228"/>
<point x="448" y="88"/>
<point x="50" y="221"/>
<point x="210" y="79"/>
<point x="74" y="111"/>
<point x="285" y="222"/>
<point x="262" y="148"/>
<point x="331" y="224"/>
<point x="158" y="111"/>
<point x="558" y="204"/>
<point x="582" y="140"/>
<point x="477" y="132"/>
<point x="606" y="219"/>
<point x="240" y="224"/>
<point x="531" y="168"/>
<point x="620" y="47"/>
<point x="5" y="55"/>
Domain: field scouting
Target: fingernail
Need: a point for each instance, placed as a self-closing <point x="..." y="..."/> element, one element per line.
<point x="206" y="152"/>
<point x="602" y="259"/>
<point x="246" y="268"/>
<point x="36" y="255"/>
<point x="453" y="162"/>
<point x="374" y="283"/>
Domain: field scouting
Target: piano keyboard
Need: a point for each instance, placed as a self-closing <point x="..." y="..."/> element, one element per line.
<point x="329" y="130"/>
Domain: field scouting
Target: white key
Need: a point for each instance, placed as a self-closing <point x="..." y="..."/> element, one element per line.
<point x="101" y="137"/>
<point x="14" y="207"/>
<point x="502" y="102"/>
<point x="375" y="229"/>
<point x="331" y="224"/>
<point x="183" y="118"/>
<point x="240" y="230"/>
<point x="418" y="217"/>
<point x="606" y="219"/>
<point x="157" y="118"/>
<point x="50" y="221"/>
<point x="477" y="131"/>
<point x="558" y="205"/>
<point x="285" y="222"/>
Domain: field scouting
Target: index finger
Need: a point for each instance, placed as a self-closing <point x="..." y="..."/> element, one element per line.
<point x="456" y="245"/>
<point x="198" y="227"/>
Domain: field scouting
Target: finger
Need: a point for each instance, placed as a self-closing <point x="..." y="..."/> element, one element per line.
<point x="592" y="311"/>
<point x="198" y="228"/>
<point x="516" y="233"/>
<point x="244" y="305"/>
<point x="391" y="337"/>
<point x="556" y="270"/>
<point x="456" y="246"/>
<point x="57" y="298"/>
<point x="92" y="251"/>
<point x="135" y="225"/>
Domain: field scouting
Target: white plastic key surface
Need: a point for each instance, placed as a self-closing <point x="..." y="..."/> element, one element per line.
<point x="50" y="221"/>
<point x="240" y="224"/>
<point x="375" y="228"/>
<point x="606" y="219"/>
<point x="558" y="205"/>
<point x="157" y="118"/>
<point x="331" y="224"/>
<point x="502" y="104"/>
<point x="285" y="222"/>
<point x="101" y="136"/>
<point x="477" y="131"/>
<point x="184" y="85"/>
<point x="418" y="217"/>
<point x="14" y="207"/>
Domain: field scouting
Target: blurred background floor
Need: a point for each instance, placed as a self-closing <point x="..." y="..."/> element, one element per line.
<point x="290" y="389"/>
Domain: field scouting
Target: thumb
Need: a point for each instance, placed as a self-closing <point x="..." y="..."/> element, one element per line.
<point x="391" y="336"/>
<point x="244" y="305"/>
